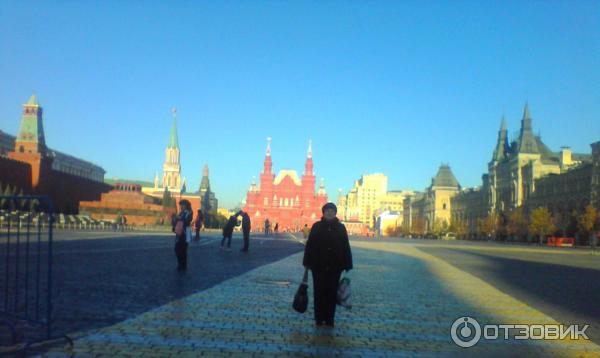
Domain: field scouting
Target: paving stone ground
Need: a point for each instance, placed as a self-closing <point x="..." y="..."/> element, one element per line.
<point x="405" y="302"/>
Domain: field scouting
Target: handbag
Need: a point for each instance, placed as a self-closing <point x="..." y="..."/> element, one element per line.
<point x="301" y="297"/>
<point x="344" y="293"/>
<point x="179" y="228"/>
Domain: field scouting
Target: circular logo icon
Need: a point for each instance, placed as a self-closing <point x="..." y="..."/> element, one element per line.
<point x="465" y="332"/>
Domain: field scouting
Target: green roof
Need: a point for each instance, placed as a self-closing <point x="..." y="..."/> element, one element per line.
<point x="173" y="141"/>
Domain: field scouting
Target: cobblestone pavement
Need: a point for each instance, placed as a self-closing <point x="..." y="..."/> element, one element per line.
<point x="102" y="278"/>
<point x="405" y="301"/>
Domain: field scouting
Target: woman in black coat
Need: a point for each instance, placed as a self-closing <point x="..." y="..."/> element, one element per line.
<point x="327" y="254"/>
<point x="181" y="245"/>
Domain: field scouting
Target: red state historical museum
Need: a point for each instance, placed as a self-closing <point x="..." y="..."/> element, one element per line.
<point x="285" y="199"/>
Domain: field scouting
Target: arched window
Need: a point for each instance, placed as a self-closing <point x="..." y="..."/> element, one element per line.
<point x="266" y="201"/>
<point x="286" y="202"/>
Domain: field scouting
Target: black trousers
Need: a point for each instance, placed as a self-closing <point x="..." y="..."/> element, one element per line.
<point x="197" y="238"/>
<point x="246" y="240"/>
<point x="325" y="285"/>
<point x="227" y="235"/>
<point x="181" y="247"/>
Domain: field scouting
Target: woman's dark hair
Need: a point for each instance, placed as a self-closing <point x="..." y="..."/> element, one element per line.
<point x="186" y="203"/>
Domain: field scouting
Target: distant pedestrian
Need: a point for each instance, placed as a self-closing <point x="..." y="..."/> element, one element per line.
<point x="198" y="224"/>
<point x="305" y="231"/>
<point x="228" y="231"/>
<point x="182" y="222"/>
<point x="246" y="225"/>
<point x="327" y="254"/>
<point x="276" y="228"/>
<point x="267" y="227"/>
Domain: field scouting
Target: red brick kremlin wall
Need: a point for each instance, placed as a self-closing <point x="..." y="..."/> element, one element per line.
<point x="65" y="190"/>
<point x="16" y="174"/>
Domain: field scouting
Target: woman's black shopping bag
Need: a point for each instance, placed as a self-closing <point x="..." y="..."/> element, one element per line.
<point x="301" y="297"/>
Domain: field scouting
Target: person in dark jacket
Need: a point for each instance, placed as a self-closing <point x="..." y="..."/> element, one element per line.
<point x="246" y="225"/>
<point x="327" y="254"/>
<point x="181" y="245"/>
<point x="267" y="227"/>
<point x="228" y="231"/>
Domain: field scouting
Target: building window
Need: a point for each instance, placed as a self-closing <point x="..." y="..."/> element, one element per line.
<point x="266" y="201"/>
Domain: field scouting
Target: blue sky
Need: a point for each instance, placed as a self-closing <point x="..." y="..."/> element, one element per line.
<point x="395" y="87"/>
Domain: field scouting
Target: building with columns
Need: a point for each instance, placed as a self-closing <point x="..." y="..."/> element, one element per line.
<point x="285" y="198"/>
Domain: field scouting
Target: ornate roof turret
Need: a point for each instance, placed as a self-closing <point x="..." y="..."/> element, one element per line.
<point x="527" y="142"/>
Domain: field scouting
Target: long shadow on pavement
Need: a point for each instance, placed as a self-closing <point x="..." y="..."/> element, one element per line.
<point x="566" y="293"/>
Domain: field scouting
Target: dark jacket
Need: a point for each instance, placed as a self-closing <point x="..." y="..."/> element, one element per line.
<point x="327" y="247"/>
<point x="245" y="222"/>
<point x="186" y="217"/>
<point x="231" y="223"/>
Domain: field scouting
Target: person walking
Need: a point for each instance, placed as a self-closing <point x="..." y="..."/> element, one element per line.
<point x="326" y="255"/>
<point x="198" y="224"/>
<point x="246" y="230"/>
<point x="276" y="228"/>
<point x="228" y="231"/>
<point x="182" y="222"/>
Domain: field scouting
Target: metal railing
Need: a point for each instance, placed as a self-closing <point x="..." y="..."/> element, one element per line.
<point x="26" y="269"/>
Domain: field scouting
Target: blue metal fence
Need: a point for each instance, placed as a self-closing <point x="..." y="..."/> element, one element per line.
<point x="26" y="224"/>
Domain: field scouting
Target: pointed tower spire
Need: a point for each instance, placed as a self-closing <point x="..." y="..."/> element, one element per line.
<point x="526" y="114"/>
<point x="173" y="140"/>
<point x="501" y="150"/>
<point x="205" y="171"/>
<point x="308" y="165"/>
<point x="268" y="165"/>
<point x="268" y="152"/>
<point x="171" y="166"/>
<point x="527" y="142"/>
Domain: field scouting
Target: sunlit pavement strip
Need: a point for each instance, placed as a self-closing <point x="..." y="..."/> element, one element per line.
<point x="404" y="304"/>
